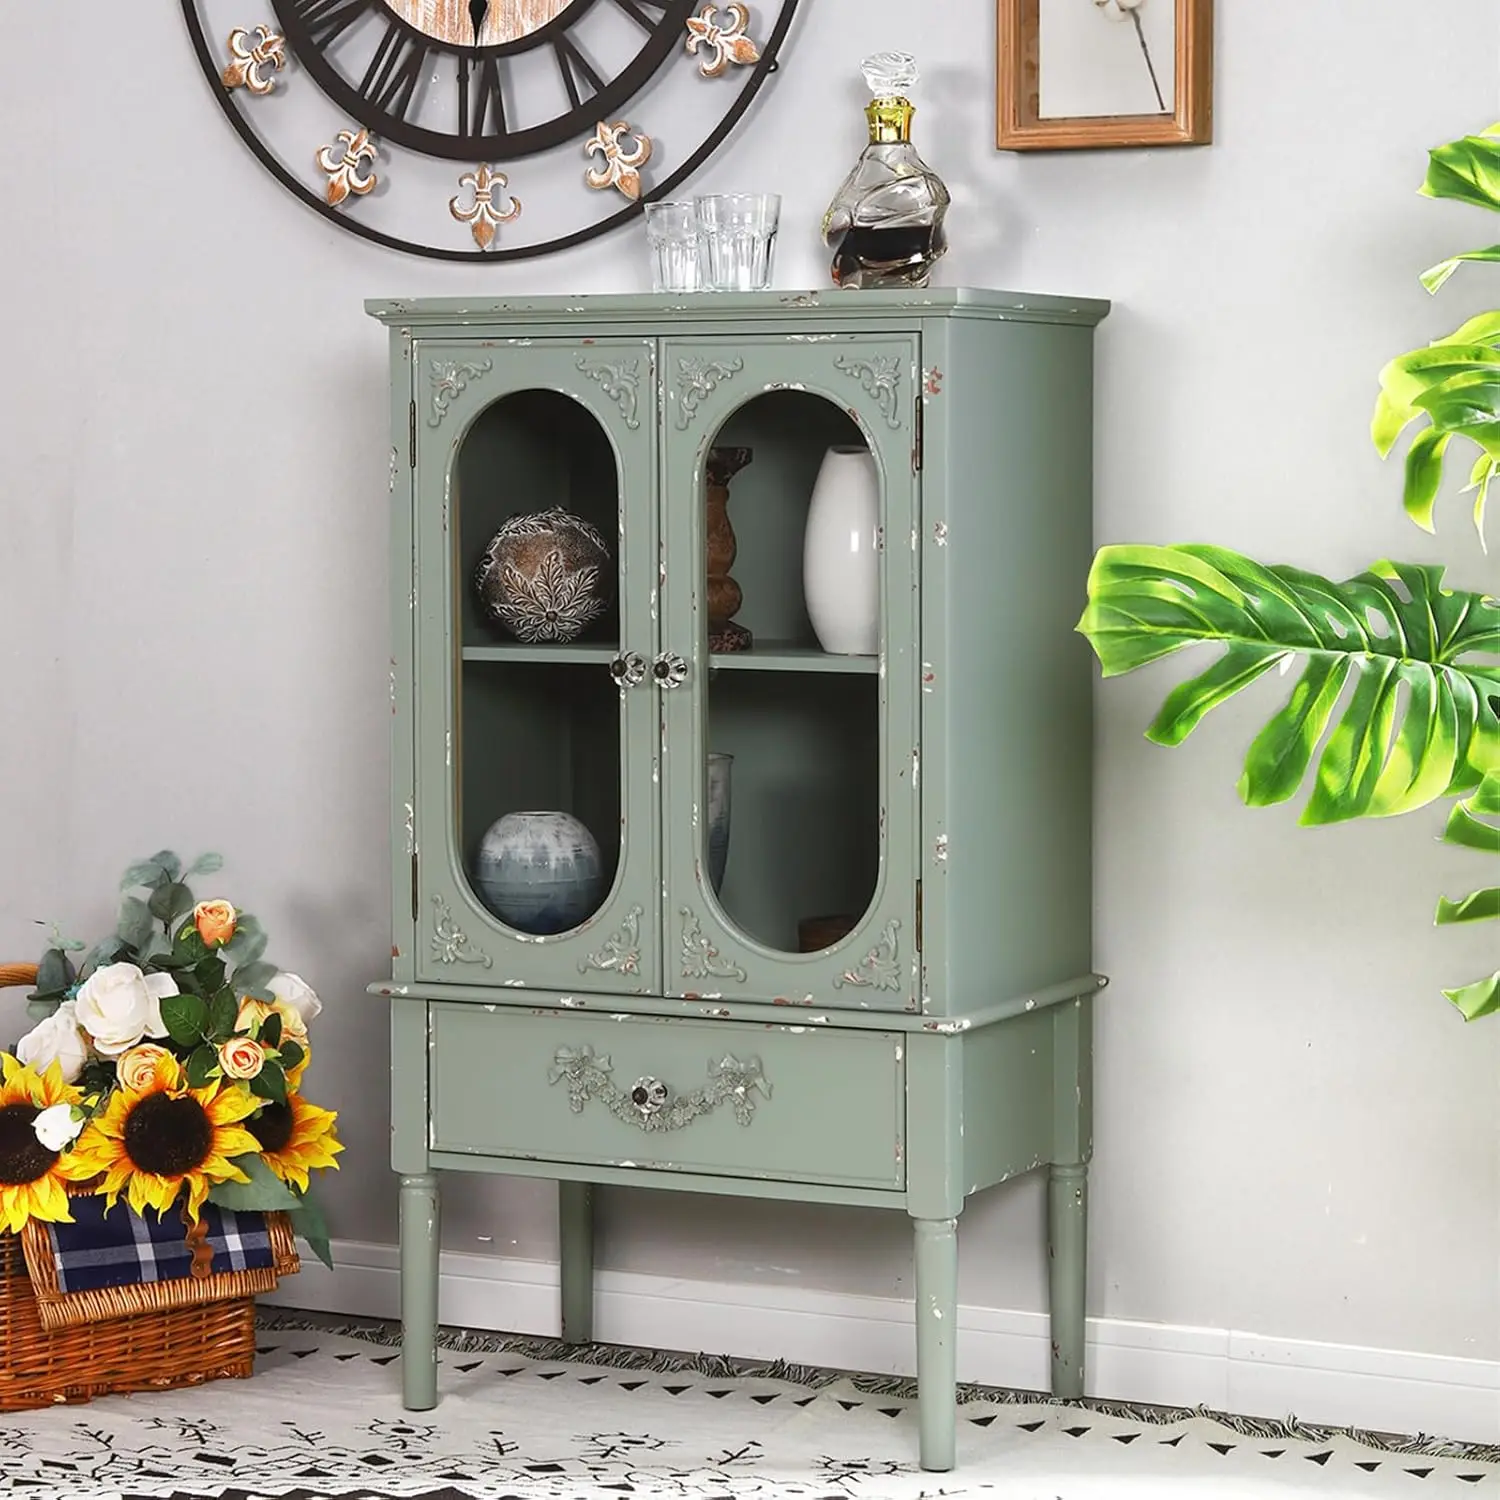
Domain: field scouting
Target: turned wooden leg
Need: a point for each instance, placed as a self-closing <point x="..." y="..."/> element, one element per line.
<point x="575" y="1236"/>
<point x="1067" y="1238"/>
<point x="419" y="1291"/>
<point x="937" y="1341"/>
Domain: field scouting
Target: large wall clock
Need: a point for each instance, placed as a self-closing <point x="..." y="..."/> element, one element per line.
<point x="485" y="129"/>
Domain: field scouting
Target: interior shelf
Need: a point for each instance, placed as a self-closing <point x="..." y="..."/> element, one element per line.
<point x="778" y="656"/>
<point x="574" y="655"/>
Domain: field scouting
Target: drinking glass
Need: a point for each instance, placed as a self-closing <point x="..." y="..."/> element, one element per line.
<point x="737" y="239"/>
<point x="672" y="232"/>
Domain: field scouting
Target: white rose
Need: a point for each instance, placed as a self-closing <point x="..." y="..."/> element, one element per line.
<point x="56" y="1040"/>
<point x="118" y="1005"/>
<point x="56" y="1127"/>
<point x="296" y="993"/>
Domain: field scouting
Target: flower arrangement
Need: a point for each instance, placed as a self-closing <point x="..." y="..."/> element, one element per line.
<point x="167" y="1067"/>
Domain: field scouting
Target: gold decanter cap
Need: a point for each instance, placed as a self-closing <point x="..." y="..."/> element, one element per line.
<point x="890" y="119"/>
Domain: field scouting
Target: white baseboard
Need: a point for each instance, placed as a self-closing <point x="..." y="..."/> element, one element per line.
<point x="1226" y="1369"/>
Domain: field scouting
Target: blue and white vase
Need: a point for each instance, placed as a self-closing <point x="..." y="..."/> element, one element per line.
<point x="719" y="767"/>
<point x="539" y="872"/>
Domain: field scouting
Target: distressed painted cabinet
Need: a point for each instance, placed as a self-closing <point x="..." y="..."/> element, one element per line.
<point x="935" y="794"/>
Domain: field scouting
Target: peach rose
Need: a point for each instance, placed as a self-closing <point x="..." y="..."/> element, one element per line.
<point x="253" y="1013"/>
<point x="137" y="1067"/>
<point x="215" y="921"/>
<point x="241" y="1057"/>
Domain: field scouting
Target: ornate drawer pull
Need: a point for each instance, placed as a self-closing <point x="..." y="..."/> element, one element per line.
<point x="669" y="670"/>
<point x="649" y="1104"/>
<point x="628" y="670"/>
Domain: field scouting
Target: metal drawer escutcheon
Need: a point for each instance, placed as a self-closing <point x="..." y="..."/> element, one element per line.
<point x="649" y="1103"/>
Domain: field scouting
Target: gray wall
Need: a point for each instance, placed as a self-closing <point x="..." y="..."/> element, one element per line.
<point x="1296" y="1136"/>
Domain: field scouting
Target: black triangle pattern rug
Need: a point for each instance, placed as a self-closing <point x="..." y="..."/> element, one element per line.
<point x="534" y="1420"/>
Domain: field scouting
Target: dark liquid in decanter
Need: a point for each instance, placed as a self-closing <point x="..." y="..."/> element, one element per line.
<point x="885" y="257"/>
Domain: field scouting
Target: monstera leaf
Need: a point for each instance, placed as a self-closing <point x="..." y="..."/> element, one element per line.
<point x="1421" y="719"/>
<point x="1468" y="827"/>
<point x="1454" y="386"/>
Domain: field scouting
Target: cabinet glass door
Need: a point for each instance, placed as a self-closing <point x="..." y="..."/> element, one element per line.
<point x="789" y="679"/>
<point x="537" y="854"/>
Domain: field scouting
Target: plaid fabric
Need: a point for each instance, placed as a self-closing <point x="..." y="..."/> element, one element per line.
<point x="122" y="1248"/>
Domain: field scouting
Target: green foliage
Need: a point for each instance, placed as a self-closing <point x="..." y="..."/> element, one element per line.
<point x="270" y="1082"/>
<point x="308" y="1223"/>
<point x="185" y="1017"/>
<point x="264" y="1193"/>
<point x="1399" y="683"/>
<point x="1421" y="719"/>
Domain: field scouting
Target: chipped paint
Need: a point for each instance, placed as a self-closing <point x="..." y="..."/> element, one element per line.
<point x="940" y="848"/>
<point x="514" y="984"/>
<point x="932" y="382"/>
<point x="956" y="1027"/>
<point x="929" y="677"/>
<point x="940" y="533"/>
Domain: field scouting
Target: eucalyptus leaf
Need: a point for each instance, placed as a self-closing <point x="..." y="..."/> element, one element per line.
<point x="168" y="862"/>
<point x="206" y="864"/>
<point x="170" y="901"/>
<point x="253" y="978"/>
<point x="1420" y="723"/>
<point x="184" y="1016"/>
<point x="308" y="1224"/>
<point x="147" y="872"/>
<point x="135" y="922"/>
<point x="103" y="952"/>
<point x="53" y="974"/>
<point x="264" y="1193"/>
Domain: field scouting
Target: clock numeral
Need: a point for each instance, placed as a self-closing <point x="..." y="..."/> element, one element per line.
<point x="390" y="82"/>
<point x="481" y="101"/>
<point x="574" y="67"/>
<point x="636" y="10"/>
<point x="327" y="20"/>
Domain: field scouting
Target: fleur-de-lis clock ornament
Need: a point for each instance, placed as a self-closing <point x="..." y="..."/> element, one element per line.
<point x="485" y="129"/>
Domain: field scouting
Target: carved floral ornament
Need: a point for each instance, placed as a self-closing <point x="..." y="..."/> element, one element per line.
<point x="649" y="1104"/>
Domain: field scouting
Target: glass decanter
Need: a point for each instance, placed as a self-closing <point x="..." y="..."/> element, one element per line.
<point x="885" y="224"/>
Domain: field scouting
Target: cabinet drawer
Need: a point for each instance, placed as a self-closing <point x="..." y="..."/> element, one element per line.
<point x="788" y="1103"/>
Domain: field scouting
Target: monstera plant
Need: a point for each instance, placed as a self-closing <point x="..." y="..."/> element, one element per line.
<point x="1397" y="704"/>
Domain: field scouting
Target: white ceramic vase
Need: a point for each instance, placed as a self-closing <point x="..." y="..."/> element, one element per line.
<point x="840" y="556"/>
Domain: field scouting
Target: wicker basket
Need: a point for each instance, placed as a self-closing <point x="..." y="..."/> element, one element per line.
<point x="154" y="1348"/>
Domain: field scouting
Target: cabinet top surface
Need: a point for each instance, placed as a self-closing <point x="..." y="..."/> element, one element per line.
<point x="739" y="308"/>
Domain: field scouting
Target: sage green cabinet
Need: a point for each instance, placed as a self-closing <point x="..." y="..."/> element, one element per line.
<point x="933" y="794"/>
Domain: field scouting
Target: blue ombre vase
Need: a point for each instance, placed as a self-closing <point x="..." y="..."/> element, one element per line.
<point x="539" y="872"/>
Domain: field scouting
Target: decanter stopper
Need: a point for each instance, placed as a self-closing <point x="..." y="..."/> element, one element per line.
<point x="885" y="224"/>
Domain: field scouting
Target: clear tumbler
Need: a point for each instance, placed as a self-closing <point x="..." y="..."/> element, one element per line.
<point x="737" y="239"/>
<point x="672" y="232"/>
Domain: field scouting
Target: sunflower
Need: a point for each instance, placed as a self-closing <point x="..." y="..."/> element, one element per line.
<point x="31" y="1175"/>
<point x="164" y="1137"/>
<point x="294" y="1138"/>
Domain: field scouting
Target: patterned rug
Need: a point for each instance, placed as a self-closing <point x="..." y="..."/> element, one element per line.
<point x="530" y="1420"/>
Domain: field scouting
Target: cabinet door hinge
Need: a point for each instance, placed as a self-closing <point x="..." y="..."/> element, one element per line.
<point x="916" y="445"/>
<point x="411" y="435"/>
<point x="919" y="916"/>
<point x="414" y="887"/>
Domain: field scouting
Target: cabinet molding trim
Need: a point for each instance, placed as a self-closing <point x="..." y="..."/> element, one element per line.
<point x="621" y="953"/>
<point x="880" y="968"/>
<point x="620" y="380"/>
<point x="700" y="958"/>
<point x="698" y="379"/>
<point x="880" y="375"/>
<point x="450" y="379"/>
<point x="649" y="1104"/>
<point x="450" y="943"/>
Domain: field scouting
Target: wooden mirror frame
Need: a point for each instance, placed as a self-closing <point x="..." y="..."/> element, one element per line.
<point x="1020" y="126"/>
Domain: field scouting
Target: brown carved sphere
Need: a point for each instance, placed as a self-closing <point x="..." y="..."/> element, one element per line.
<point x="545" y="577"/>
